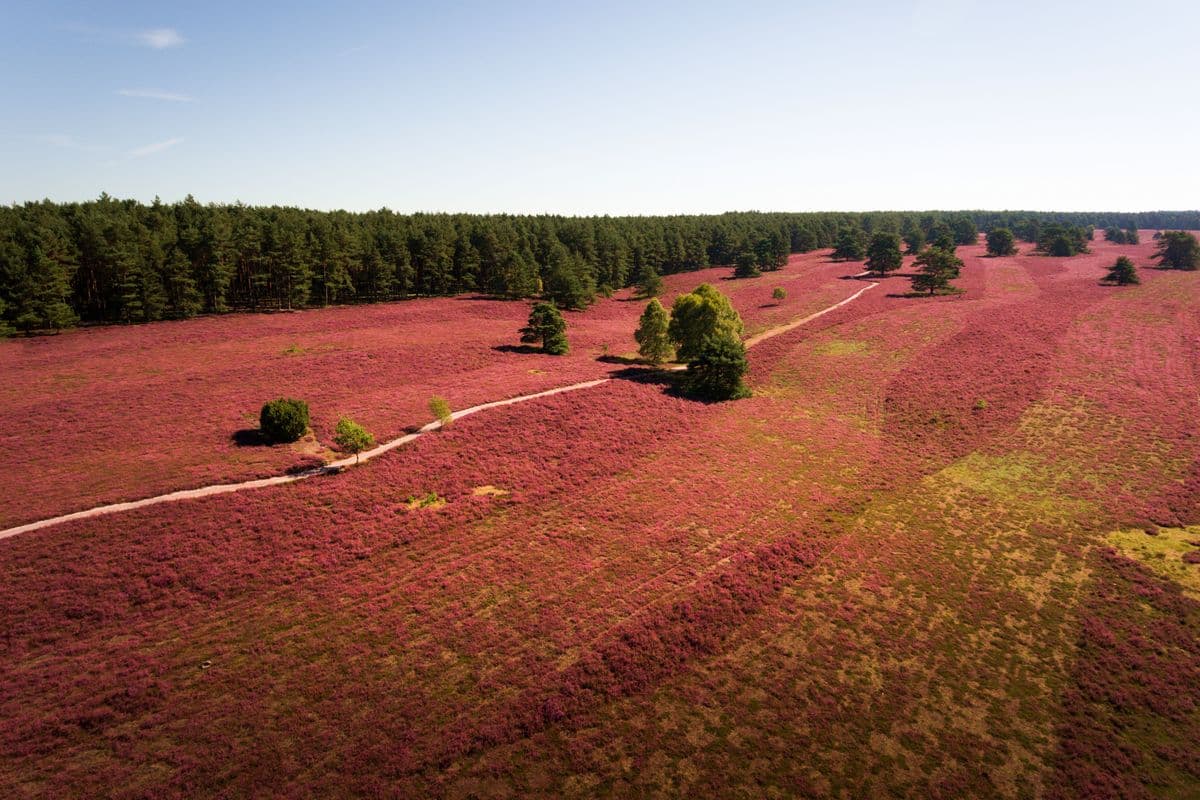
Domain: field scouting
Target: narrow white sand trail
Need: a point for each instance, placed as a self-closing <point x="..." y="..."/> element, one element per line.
<point x="337" y="466"/>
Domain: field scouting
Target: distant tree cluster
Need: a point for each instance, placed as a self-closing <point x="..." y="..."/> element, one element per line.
<point x="112" y="260"/>
<point x="1055" y="239"/>
<point x="1114" y="234"/>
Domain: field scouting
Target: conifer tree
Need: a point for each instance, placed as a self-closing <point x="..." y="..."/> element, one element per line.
<point x="746" y="265"/>
<point x="883" y="255"/>
<point x="546" y="325"/>
<point x="1178" y="250"/>
<point x="1122" y="273"/>
<point x="1001" y="242"/>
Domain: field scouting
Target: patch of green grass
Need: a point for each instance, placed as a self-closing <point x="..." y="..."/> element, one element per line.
<point x="841" y="347"/>
<point x="1163" y="552"/>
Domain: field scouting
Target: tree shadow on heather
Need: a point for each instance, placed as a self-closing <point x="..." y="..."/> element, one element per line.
<point x="610" y="359"/>
<point x="525" y="349"/>
<point x="648" y="374"/>
<point x="250" y="437"/>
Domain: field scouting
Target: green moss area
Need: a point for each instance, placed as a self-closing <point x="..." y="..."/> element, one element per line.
<point x="1163" y="553"/>
<point x="841" y="347"/>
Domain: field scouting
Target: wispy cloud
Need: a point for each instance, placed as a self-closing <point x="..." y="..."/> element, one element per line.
<point x="356" y="49"/>
<point x="154" y="147"/>
<point x="154" y="38"/>
<point x="159" y="38"/>
<point x="68" y="142"/>
<point x="156" y="94"/>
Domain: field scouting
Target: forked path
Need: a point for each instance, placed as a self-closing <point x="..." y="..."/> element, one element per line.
<point x="337" y="466"/>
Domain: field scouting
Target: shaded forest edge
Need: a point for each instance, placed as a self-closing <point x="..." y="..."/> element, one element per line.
<point x="109" y="260"/>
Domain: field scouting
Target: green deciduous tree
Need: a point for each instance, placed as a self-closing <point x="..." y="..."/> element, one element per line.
<point x="1001" y="242"/>
<point x="652" y="334"/>
<point x="701" y="314"/>
<point x="547" y="326"/>
<point x="1122" y="273"/>
<point x="1178" y="250"/>
<point x="440" y="408"/>
<point x="883" y="254"/>
<point x="352" y="437"/>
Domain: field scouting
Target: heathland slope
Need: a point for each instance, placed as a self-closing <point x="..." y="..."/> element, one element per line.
<point x="890" y="571"/>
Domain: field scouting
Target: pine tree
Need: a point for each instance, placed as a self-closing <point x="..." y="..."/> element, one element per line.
<point x="546" y="325"/>
<point x="654" y="342"/>
<point x="849" y="246"/>
<point x="1001" y="242"/>
<point x="883" y="255"/>
<point x="1178" y="250"/>
<point x="1122" y="273"/>
<point x="746" y="265"/>
<point x="936" y="267"/>
<point x="651" y="284"/>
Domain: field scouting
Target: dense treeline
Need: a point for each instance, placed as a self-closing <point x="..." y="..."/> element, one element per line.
<point x="114" y="260"/>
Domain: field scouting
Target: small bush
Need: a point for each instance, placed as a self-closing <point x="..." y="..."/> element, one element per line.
<point x="778" y="294"/>
<point x="284" y="420"/>
<point x="440" y="408"/>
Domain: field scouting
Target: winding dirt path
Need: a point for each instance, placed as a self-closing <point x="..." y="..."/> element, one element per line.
<point x="337" y="466"/>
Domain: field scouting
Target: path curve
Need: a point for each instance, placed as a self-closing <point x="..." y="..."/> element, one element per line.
<point x="334" y="467"/>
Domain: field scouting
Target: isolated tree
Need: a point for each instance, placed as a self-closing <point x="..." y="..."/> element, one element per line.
<point x="849" y="245"/>
<point x="1178" y="250"/>
<point x="700" y="315"/>
<point x="778" y="294"/>
<point x="1132" y="237"/>
<point x="546" y="325"/>
<point x="1122" y="273"/>
<point x="651" y="283"/>
<point x="716" y="370"/>
<point x="352" y="437"/>
<point x="284" y="419"/>
<point x="883" y="255"/>
<point x="745" y="265"/>
<point x="1001" y="242"/>
<point x="936" y="267"/>
<point x="654" y="341"/>
<point x="1114" y="234"/>
<point x="440" y="408"/>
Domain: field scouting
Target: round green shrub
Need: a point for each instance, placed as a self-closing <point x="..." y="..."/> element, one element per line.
<point x="284" y="420"/>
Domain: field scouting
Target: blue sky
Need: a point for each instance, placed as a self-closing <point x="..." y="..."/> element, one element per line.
<point x="574" y="107"/>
